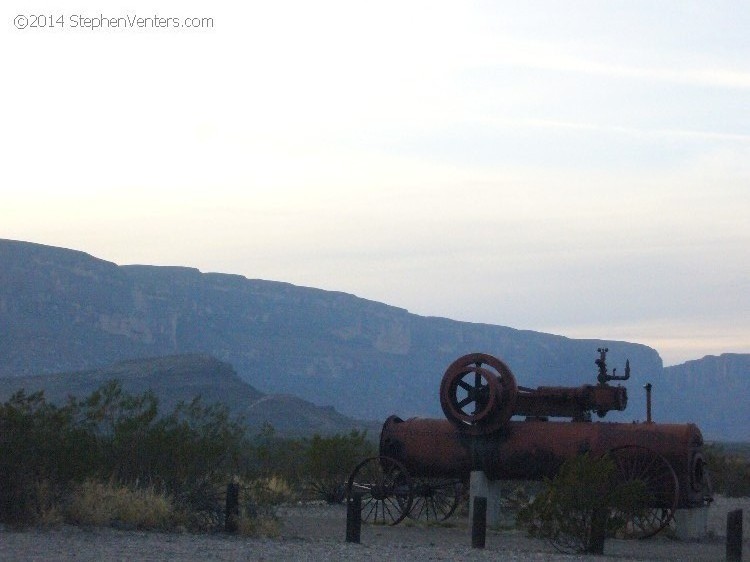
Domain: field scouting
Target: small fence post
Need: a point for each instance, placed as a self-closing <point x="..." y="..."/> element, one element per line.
<point x="479" y="522"/>
<point x="734" y="536"/>
<point x="353" y="517"/>
<point x="232" y="515"/>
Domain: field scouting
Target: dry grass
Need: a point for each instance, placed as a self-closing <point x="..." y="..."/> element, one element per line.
<point x="47" y="504"/>
<point x="105" y="504"/>
<point x="273" y="490"/>
<point x="260" y="499"/>
<point x="111" y="504"/>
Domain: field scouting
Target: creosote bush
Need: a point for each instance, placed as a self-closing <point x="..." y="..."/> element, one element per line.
<point x="52" y="454"/>
<point x="729" y="473"/>
<point x="564" y="511"/>
<point x="330" y="460"/>
<point x="42" y="448"/>
<point x="112" y="458"/>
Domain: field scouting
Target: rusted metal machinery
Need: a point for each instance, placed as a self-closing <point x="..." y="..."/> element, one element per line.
<point x="424" y="462"/>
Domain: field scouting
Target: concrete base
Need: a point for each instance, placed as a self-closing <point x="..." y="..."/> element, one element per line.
<point x="691" y="524"/>
<point x="481" y="486"/>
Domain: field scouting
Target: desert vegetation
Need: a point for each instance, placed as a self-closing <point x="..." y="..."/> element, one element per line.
<point x="584" y="496"/>
<point x="585" y="502"/>
<point x="729" y="466"/>
<point x="115" y="459"/>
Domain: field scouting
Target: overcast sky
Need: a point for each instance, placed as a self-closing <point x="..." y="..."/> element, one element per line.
<point x="579" y="168"/>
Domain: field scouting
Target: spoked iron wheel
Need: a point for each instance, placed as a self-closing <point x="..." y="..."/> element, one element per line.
<point x="478" y="392"/>
<point x="641" y="465"/>
<point x="434" y="499"/>
<point x="385" y="487"/>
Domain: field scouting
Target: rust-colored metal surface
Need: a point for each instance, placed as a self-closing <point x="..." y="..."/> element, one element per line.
<point x="567" y="402"/>
<point x="532" y="450"/>
<point x="479" y="394"/>
<point x="480" y="397"/>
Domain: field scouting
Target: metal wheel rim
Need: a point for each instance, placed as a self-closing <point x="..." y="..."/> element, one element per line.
<point x="498" y="395"/>
<point x="385" y="487"/>
<point x="638" y="463"/>
<point x="437" y="505"/>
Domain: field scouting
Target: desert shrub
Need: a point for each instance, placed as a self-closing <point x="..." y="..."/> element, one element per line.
<point x="42" y="449"/>
<point x="729" y="473"/>
<point x="564" y="511"/>
<point x="46" y="450"/>
<point x="259" y="500"/>
<point x="65" y="460"/>
<point x="330" y="460"/>
<point x="189" y="453"/>
<point x="196" y="443"/>
<point x="268" y="454"/>
<point x="269" y="491"/>
<point x="135" y="443"/>
<point x="121" y="425"/>
<point x="105" y="503"/>
<point x="192" y="453"/>
<point x="314" y="467"/>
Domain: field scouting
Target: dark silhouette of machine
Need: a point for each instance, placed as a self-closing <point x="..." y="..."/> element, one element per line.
<point x="423" y="464"/>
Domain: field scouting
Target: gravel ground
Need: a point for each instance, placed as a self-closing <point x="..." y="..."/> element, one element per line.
<point x="317" y="533"/>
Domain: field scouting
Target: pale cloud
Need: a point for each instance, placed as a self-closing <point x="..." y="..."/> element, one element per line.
<point x="685" y="134"/>
<point x="545" y="56"/>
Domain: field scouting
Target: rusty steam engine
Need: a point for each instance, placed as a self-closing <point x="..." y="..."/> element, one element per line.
<point x="423" y="462"/>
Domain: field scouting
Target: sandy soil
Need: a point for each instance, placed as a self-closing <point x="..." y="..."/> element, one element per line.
<point x="317" y="533"/>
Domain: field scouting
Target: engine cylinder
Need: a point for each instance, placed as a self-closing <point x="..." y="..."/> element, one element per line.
<point x="532" y="450"/>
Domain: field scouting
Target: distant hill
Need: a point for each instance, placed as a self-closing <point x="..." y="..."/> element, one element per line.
<point x="183" y="377"/>
<point x="717" y="389"/>
<point x="63" y="310"/>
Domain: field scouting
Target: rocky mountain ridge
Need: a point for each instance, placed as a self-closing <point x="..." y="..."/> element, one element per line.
<point x="63" y="310"/>
<point x="716" y="385"/>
